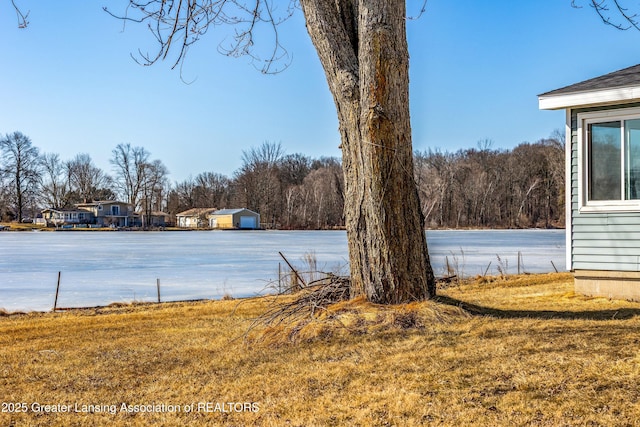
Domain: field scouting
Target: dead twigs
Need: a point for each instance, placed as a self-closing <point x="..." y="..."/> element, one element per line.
<point x="317" y="296"/>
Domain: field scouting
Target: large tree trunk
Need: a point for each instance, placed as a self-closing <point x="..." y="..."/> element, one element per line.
<point x="363" y="48"/>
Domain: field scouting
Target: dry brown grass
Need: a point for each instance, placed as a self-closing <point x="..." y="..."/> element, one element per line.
<point x="20" y="226"/>
<point x="525" y="351"/>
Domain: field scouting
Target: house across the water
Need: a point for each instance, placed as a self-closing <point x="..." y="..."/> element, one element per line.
<point x="103" y="213"/>
<point x="194" y="218"/>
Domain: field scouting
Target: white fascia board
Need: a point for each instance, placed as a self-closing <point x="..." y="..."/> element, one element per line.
<point x="590" y="98"/>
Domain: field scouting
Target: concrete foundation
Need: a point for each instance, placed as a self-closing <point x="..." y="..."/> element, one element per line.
<point x="608" y="284"/>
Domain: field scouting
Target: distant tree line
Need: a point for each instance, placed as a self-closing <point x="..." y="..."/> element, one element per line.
<point x="288" y="190"/>
<point x="486" y="188"/>
<point x="480" y="187"/>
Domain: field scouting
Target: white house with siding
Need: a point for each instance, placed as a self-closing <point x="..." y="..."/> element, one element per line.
<point x="58" y="217"/>
<point x="603" y="181"/>
<point x="194" y="218"/>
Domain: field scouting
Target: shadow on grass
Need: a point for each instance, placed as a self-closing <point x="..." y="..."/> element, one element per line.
<point x="478" y="310"/>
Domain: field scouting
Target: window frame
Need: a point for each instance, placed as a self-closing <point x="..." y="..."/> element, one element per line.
<point x="584" y="120"/>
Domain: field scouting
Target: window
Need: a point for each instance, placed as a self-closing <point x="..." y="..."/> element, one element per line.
<point x="604" y="161"/>
<point x="609" y="160"/>
<point x="115" y="210"/>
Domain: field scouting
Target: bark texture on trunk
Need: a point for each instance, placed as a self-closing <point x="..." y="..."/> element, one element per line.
<point x="362" y="46"/>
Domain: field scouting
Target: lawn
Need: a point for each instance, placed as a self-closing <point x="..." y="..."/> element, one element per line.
<point x="524" y="350"/>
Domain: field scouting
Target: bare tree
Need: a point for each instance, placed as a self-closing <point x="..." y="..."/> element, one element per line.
<point x="153" y="186"/>
<point x="294" y="168"/>
<point x="211" y="190"/>
<point x="21" y="166"/>
<point x="362" y="47"/>
<point x="182" y="196"/>
<point x="324" y="189"/>
<point x="258" y="185"/>
<point x="54" y="185"/>
<point x="267" y="155"/>
<point x="4" y="199"/>
<point x="87" y="182"/>
<point x="522" y="187"/>
<point x="129" y="164"/>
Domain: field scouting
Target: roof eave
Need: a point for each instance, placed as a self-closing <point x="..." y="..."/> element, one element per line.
<point x="619" y="95"/>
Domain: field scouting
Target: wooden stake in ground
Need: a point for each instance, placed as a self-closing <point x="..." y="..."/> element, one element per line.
<point x="293" y="269"/>
<point x="55" y="302"/>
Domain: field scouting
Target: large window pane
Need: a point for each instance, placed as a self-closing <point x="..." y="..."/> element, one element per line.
<point x="632" y="159"/>
<point x="604" y="161"/>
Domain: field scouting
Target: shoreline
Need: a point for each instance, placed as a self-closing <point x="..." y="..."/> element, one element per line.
<point x="18" y="227"/>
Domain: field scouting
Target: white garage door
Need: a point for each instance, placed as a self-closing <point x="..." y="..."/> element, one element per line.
<point x="248" y="222"/>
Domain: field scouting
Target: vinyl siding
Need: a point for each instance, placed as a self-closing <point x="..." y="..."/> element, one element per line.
<point x="600" y="241"/>
<point x="230" y="218"/>
<point x="224" y="221"/>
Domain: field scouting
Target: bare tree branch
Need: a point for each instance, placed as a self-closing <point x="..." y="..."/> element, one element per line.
<point x="423" y="9"/>
<point x="617" y="16"/>
<point x="22" y="17"/>
<point x="179" y="24"/>
<point x="632" y="19"/>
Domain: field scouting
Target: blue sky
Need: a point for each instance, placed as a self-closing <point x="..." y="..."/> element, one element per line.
<point x="69" y="83"/>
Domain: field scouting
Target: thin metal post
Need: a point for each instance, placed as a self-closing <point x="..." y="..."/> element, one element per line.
<point x="158" y="286"/>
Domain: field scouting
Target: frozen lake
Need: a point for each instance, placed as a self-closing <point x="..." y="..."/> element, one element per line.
<point x="98" y="268"/>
